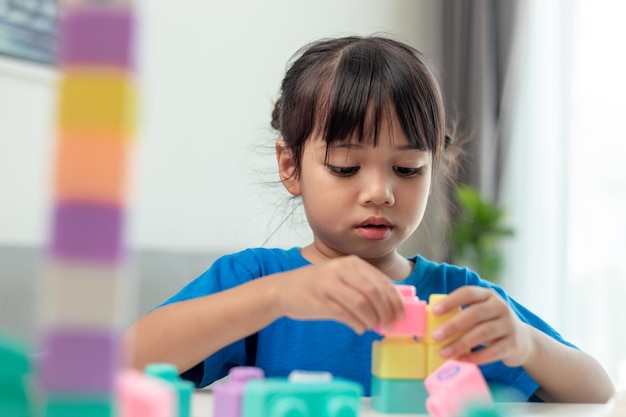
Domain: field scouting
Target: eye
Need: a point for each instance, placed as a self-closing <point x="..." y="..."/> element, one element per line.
<point x="342" y="171"/>
<point x="408" y="172"/>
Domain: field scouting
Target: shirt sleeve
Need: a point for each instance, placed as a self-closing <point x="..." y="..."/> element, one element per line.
<point x="227" y="272"/>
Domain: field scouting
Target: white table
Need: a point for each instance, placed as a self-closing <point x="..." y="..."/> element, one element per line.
<point x="202" y="406"/>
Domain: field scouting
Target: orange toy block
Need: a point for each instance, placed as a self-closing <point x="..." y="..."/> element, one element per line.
<point x="397" y="357"/>
<point x="91" y="169"/>
<point x="93" y="103"/>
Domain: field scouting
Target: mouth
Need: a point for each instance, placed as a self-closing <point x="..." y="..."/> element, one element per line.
<point x="376" y="222"/>
<point x="375" y="229"/>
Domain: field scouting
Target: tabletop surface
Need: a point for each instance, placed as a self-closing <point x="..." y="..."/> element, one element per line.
<point x="202" y="406"/>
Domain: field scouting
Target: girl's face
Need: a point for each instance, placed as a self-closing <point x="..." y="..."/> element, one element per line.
<point x="359" y="198"/>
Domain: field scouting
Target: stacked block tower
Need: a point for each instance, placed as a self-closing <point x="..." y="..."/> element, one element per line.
<point x="85" y="274"/>
<point x="406" y="356"/>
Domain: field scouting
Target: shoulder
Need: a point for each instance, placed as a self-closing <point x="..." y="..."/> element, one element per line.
<point x="264" y="261"/>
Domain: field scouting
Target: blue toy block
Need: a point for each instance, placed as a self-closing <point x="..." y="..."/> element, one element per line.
<point x="398" y="396"/>
<point x="184" y="389"/>
<point x="278" y="397"/>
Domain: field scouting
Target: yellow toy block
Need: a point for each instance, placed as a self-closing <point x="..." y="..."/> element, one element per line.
<point x="433" y="358"/>
<point x="399" y="358"/>
<point x="433" y="321"/>
<point x="91" y="170"/>
<point x="97" y="104"/>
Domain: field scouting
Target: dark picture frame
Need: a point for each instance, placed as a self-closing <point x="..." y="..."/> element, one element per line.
<point x="28" y="30"/>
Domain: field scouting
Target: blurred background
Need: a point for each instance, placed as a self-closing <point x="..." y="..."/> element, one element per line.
<point x="537" y="87"/>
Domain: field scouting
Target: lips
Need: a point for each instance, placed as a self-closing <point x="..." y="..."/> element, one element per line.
<point x="376" y="222"/>
<point x="375" y="228"/>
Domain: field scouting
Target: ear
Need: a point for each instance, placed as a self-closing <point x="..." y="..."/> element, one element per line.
<point x="287" y="168"/>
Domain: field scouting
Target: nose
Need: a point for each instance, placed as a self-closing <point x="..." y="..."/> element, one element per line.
<point x="377" y="189"/>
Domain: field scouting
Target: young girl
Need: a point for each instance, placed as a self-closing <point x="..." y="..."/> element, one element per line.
<point x="361" y="123"/>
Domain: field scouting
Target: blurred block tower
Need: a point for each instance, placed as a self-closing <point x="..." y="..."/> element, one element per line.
<point x="407" y="354"/>
<point x="85" y="277"/>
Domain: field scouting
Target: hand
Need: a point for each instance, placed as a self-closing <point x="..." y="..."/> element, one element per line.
<point x="486" y="321"/>
<point x="345" y="289"/>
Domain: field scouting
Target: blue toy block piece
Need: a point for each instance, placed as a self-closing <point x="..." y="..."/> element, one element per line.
<point x="184" y="389"/>
<point x="14" y="358"/>
<point x="278" y="397"/>
<point x="402" y="396"/>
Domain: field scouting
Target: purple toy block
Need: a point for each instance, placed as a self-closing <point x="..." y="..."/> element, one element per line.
<point x="227" y="397"/>
<point x="79" y="362"/>
<point x="97" y="36"/>
<point x="414" y="322"/>
<point x="83" y="231"/>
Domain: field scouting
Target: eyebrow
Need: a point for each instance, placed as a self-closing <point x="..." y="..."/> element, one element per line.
<point x="347" y="145"/>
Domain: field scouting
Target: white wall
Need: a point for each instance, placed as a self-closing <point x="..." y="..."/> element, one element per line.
<point x="210" y="72"/>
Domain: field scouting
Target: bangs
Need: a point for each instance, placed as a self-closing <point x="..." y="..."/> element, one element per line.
<point x="372" y="82"/>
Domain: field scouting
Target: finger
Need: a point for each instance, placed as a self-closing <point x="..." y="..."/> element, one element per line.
<point x="356" y="304"/>
<point x="463" y="296"/>
<point x="339" y="313"/>
<point x="485" y="355"/>
<point x="468" y="318"/>
<point x="484" y="335"/>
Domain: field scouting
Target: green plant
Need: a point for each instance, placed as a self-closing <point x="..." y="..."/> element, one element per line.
<point x="477" y="232"/>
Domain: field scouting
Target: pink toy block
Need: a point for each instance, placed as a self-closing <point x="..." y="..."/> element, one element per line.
<point x="414" y="322"/>
<point x="454" y="386"/>
<point x="227" y="397"/>
<point x="96" y="36"/>
<point x="79" y="361"/>
<point x="88" y="232"/>
<point x="144" y="396"/>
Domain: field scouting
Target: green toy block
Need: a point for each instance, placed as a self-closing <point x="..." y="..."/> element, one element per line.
<point x="14" y="358"/>
<point x="278" y="397"/>
<point x="62" y="406"/>
<point x="14" y="400"/>
<point x="399" y="395"/>
<point x="184" y="389"/>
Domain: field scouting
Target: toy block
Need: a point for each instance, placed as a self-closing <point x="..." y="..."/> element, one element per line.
<point x="433" y="321"/>
<point x="433" y="358"/>
<point x="414" y="322"/>
<point x="96" y="103"/>
<point x="398" y="358"/>
<point x="277" y="397"/>
<point x="84" y="231"/>
<point x="101" y="4"/>
<point x="70" y="406"/>
<point x="299" y="376"/>
<point x="182" y="389"/>
<point x="453" y="387"/>
<point x="14" y="358"/>
<point x="228" y="396"/>
<point x="79" y="362"/>
<point x="398" y="396"/>
<point x="82" y="295"/>
<point x="141" y="395"/>
<point x="91" y="170"/>
<point x="96" y="36"/>
<point x="15" y="400"/>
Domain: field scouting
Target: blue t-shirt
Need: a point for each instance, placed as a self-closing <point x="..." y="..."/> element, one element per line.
<point x="322" y="345"/>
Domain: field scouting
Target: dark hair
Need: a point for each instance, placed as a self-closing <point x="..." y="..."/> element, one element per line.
<point x="344" y="87"/>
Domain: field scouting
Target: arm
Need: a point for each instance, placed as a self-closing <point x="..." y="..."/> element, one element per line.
<point x="563" y="373"/>
<point x="345" y="289"/>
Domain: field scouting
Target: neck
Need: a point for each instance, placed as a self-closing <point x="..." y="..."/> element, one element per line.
<point x="394" y="265"/>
